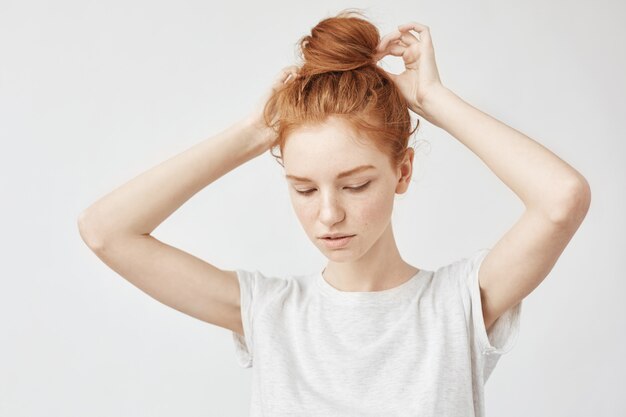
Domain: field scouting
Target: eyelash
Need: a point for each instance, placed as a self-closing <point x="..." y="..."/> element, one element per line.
<point x="353" y="189"/>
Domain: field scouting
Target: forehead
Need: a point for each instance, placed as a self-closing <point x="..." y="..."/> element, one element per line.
<point x="328" y="150"/>
<point x="344" y="174"/>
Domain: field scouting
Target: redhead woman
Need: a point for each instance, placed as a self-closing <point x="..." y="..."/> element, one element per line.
<point x="369" y="334"/>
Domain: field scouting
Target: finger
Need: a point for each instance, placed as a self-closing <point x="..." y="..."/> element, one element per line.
<point x="392" y="45"/>
<point x="409" y="39"/>
<point x="388" y="38"/>
<point x="290" y="71"/>
<point x="418" y="27"/>
<point x="284" y="75"/>
<point x="397" y="49"/>
<point x="422" y="30"/>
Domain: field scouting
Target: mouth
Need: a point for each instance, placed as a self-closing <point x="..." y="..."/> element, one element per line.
<point x="337" y="242"/>
<point x="336" y="237"/>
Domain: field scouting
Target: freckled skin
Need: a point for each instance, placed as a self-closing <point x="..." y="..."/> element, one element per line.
<point x="320" y="152"/>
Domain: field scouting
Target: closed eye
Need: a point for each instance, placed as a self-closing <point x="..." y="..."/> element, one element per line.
<point x="352" y="189"/>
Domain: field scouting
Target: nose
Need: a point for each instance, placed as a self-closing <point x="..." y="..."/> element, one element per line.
<point x="331" y="210"/>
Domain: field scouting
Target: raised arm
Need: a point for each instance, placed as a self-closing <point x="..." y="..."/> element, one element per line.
<point x="137" y="207"/>
<point x="117" y="227"/>
<point x="556" y="196"/>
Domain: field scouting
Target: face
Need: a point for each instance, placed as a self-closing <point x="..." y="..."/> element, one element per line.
<point x="340" y="183"/>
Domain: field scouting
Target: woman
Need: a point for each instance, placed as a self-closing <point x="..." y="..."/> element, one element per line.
<point x="370" y="334"/>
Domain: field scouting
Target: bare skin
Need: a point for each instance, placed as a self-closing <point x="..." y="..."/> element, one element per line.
<point x="555" y="195"/>
<point x="117" y="227"/>
<point x="360" y="204"/>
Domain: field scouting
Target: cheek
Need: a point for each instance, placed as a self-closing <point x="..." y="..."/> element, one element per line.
<point x="304" y="212"/>
<point x="376" y="210"/>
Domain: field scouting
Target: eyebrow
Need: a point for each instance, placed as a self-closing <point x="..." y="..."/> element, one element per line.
<point x="341" y="174"/>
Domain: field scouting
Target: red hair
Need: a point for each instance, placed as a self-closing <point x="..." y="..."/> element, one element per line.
<point x="340" y="77"/>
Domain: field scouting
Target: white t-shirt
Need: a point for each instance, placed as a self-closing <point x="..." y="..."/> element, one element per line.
<point x="418" y="349"/>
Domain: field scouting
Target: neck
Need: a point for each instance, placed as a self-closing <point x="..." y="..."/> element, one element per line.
<point x="379" y="269"/>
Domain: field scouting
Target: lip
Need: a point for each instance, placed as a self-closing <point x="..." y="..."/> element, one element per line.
<point x="335" y="235"/>
<point x="337" y="243"/>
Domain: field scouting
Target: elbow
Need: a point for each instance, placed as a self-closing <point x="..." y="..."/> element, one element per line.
<point x="573" y="207"/>
<point x="88" y="233"/>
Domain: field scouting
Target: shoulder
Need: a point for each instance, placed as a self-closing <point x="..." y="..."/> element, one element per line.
<point x="462" y="267"/>
<point x="256" y="283"/>
<point x="257" y="280"/>
<point x="457" y="275"/>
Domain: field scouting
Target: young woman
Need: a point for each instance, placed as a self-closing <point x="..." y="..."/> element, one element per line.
<point x="369" y="335"/>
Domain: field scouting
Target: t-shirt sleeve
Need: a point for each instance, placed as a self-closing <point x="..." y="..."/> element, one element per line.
<point x="502" y="335"/>
<point x="243" y="344"/>
<point x="256" y="292"/>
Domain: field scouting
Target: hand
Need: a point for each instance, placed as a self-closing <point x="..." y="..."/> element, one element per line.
<point x="256" y="119"/>
<point x="420" y="77"/>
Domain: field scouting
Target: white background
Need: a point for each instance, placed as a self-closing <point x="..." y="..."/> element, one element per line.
<point x="94" y="93"/>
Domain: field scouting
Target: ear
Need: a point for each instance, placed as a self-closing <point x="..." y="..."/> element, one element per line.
<point x="404" y="171"/>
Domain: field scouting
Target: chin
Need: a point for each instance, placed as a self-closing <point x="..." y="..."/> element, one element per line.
<point x="340" y="255"/>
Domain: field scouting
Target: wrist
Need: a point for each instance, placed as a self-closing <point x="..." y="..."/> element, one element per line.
<point x="258" y="135"/>
<point x="426" y="99"/>
<point x="435" y="103"/>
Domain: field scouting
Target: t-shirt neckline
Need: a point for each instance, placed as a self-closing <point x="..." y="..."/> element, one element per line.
<point x="376" y="296"/>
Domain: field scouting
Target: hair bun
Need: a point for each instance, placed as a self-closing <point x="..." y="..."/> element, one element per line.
<point x="339" y="43"/>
